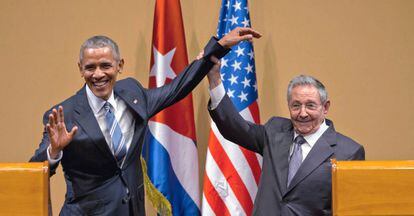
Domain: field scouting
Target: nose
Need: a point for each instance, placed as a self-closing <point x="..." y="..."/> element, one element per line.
<point x="302" y="112"/>
<point x="98" y="73"/>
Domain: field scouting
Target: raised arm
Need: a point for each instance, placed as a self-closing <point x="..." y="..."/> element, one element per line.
<point x="229" y="122"/>
<point x="55" y="137"/>
<point x="191" y="76"/>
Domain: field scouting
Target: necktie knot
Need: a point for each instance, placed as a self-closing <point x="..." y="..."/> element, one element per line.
<point x="300" y="140"/>
<point x="107" y="106"/>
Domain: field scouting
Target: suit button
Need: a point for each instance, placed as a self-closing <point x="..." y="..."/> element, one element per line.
<point x="125" y="200"/>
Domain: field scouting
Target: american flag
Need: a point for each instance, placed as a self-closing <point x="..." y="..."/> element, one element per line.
<point x="232" y="172"/>
<point x="170" y="151"/>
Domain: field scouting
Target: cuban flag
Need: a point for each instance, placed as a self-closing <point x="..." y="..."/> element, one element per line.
<point x="170" y="151"/>
<point x="232" y="173"/>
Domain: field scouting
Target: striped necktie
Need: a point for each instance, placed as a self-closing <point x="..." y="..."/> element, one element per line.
<point x="117" y="139"/>
<point x="296" y="158"/>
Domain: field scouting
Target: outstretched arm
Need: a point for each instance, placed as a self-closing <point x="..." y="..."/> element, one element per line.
<point x="188" y="79"/>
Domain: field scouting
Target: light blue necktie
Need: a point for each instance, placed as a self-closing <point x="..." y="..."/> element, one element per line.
<point x="296" y="158"/>
<point x="117" y="139"/>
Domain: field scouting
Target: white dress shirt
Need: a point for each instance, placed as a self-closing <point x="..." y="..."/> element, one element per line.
<point x="311" y="140"/>
<point x="217" y="94"/>
<point x="122" y="113"/>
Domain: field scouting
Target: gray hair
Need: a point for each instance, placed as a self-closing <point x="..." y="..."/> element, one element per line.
<point x="100" y="41"/>
<point x="303" y="80"/>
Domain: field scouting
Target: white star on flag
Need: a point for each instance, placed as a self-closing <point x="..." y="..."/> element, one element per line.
<point x="245" y="23"/>
<point x="249" y="68"/>
<point x="233" y="20"/>
<point x="222" y="76"/>
<point x="246" y="82"/>
<point x="224" y="63"/>
<point x="230" y="93"/>
<point x="237" y="6"/>
<point x="251" y="54"/>
<point x="255" y="86"/>
<point x="162" y="67"/>
<point x="233" y="79"/>
<point x="236" y="65"/>
<point x="239" y="51"/>
<point x="243" y="96"/>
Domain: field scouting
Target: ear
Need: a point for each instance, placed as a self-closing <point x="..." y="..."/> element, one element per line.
<point x="120" y="65"/>
<point x="80" y="69"/>
<point x="326" y="107"/>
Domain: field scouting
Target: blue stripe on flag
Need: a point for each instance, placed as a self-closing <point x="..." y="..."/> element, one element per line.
<point x="165" y="179"/>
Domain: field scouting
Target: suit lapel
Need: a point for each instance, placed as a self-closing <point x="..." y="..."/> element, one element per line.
<point x="86" y="119"/>
<point x="281" y="154"/>
<point x="319" y="153"/>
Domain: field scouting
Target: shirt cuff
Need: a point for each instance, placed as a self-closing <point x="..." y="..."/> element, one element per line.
<point x="216" y="95"/>
<point x="51" y="160"/>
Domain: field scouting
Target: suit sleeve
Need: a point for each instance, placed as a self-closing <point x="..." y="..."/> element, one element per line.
<point x="185" y="82"/>
<point x="40" y="154"/>
<point x="359" y="154"/>
<point x="234" y="128"/>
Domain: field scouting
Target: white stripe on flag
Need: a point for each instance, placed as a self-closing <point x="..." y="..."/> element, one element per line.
<point x="179" y="147"/>
<point x="206" y="209"/>
<point x="222" y="187"/>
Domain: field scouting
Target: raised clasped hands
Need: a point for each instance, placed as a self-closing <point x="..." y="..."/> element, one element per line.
<point x="237" y="35"/>
<point x="58" y="135"/>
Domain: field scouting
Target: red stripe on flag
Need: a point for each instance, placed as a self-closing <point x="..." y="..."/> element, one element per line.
<point x="230" y="173"/>
<point x="213" y="198"/>
<point x="254" y="110"/>
<point x="253" y="163"/>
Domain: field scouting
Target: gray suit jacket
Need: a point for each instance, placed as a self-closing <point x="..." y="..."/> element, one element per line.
<point x="310" y="190"/>
<point x="96" y="185"/>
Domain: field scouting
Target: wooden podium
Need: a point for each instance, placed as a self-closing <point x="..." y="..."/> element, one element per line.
<point x="373" y="187"/>
<point x="24" y="188"/>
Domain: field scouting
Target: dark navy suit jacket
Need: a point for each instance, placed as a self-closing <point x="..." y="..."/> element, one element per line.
<point x="96" y="185"/>
<point x="309" y="192"/>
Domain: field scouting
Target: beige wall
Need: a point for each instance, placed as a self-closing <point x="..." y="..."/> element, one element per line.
<point x="362" y="50"/>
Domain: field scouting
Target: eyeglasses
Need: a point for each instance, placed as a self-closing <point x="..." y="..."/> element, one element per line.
<point x="308" y="106"/>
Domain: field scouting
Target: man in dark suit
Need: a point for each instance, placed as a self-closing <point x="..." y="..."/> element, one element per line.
<point x="296" y="171"/>
<point x="98" y="133"/>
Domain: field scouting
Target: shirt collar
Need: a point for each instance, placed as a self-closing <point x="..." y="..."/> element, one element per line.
<point x="97" y="103"/>
<point x="311" y="139"/>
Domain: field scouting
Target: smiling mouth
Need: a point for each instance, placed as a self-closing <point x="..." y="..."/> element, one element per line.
<point x="303" y="123"/>
<point x="100" y="84"/>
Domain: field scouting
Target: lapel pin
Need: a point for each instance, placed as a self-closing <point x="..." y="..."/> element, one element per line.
<point x="135" y="101"/>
